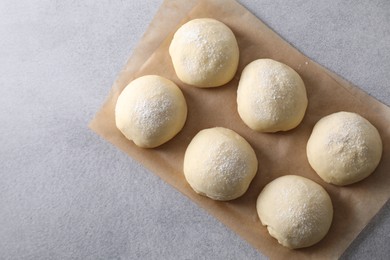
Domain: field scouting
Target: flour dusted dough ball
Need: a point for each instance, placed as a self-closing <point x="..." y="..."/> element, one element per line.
<point x="219" y="164"/>
<point x="271" y="96"/>
<point x="150" y="111"/>
<point x="344" y="148"/>
<point x="297" y="211"/>
<point x="204" y="53"/>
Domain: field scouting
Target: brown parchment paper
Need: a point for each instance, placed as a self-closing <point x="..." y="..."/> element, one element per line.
<point x="279" y="153"/>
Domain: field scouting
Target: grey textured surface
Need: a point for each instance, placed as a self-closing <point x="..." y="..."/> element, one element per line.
<point x="67" y="194"/>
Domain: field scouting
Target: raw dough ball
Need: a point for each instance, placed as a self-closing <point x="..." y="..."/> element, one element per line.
<point x="297" y="211"/>
<point x="219" y="164"/>
<point x="271" y="96"/>
<point x="344" y="148"/>
<point x="150" y="111"/>
<point x="204" y="53"/>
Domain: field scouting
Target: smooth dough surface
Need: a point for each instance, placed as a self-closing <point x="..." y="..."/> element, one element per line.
<point x="204" y="53"/>
<point x="297" y="211"/>
<point x="344" y="148"/>
<point x="150" y="111"/>
<point x="219" y="164"/>
<point x="271" y="96"/>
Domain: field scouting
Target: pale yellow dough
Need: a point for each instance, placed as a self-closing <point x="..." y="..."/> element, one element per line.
<point x="271" y="96"/>
<point x="204" y="53"/>
<point x="219" y="164"/>
<point x="344" y="148"/>
<point x="150" y="111"/>
<point x="297" y="211"/>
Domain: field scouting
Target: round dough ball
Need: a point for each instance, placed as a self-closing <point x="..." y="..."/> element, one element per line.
<point x="204" y="53"/>
<point x="271" y="96"/>
<point x="151" y="110"/>
<point x="344" y="148"/>
<point x="297" y="211"/>
<point x="219" y="164"/>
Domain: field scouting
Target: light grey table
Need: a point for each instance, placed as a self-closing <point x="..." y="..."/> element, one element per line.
<point x="67" y="194"/>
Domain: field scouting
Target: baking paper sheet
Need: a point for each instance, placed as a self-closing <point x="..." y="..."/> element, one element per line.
<point x="279" y="153"/>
